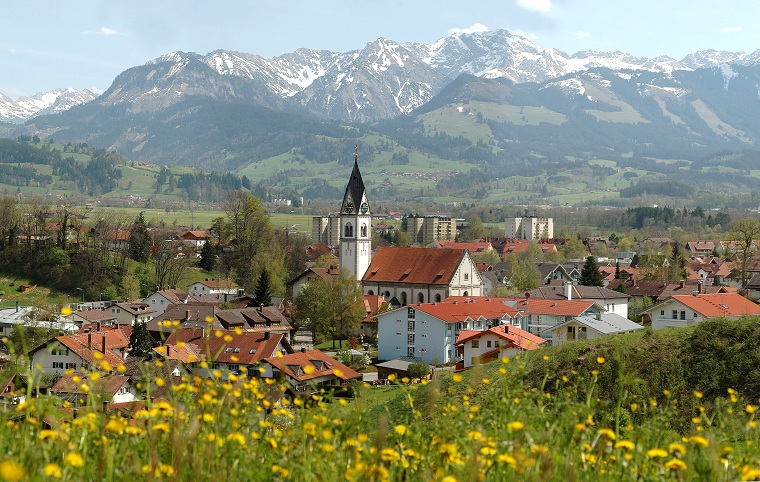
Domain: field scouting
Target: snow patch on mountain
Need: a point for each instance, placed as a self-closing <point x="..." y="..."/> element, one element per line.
<point x="59" y="100"/>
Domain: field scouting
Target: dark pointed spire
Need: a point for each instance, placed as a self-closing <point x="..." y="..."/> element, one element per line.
<point x="355" y="188"/>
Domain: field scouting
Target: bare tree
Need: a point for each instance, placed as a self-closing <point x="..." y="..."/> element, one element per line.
<point x="171" y="259"/>
<point x="743" y="233"/>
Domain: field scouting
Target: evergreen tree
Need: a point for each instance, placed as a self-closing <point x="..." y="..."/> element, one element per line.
<point x="139" y="240"/>
<point x="208" y="256"/>
<point x="617" y="269"/>
<point x="677" y="263"/>
<point x="590" y="274"/>
<point x="140" y="344"/>
<point x="262" y="295"/>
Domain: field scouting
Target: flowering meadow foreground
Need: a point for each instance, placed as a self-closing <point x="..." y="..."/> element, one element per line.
<point x="578" y="412"/>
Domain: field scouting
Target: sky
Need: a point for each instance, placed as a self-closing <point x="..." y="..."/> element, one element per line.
<point x="50" y="44"/>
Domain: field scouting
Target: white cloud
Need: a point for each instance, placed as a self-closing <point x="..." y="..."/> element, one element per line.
<point x="108" y="32"/>
<point x="535" y="5"/>
<point x="581" y="34"/>
<point x="475" y="28"/>
<point x="731" y="29"/>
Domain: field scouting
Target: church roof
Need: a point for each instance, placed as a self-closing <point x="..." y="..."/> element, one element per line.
<point x="414" y="265"/>
<point x="355" y="187"/>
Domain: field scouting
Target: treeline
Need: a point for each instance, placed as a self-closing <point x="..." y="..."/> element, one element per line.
<point x="98" y="176"/>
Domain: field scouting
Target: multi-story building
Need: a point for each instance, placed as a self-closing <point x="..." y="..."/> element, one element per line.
<point x="325" y="229"/>
<point x="531" y="227"/>
<point x="424" y="230"/>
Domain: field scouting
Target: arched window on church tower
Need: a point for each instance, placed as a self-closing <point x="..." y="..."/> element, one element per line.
<point x="364" y="230"/>
<point x="349" y="231"/>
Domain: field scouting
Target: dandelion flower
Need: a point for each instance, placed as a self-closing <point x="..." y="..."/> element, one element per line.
<point x="400" y="429"/>
<point x="675" y="464"/>
<point x="676" y="448"/>
<point x="625" y="444"/>
<point x="656" y="453"/>
<point x="750" y="409"/>
<point x="515" y="426"/>
<point x="53" y="470"/>
<point x="698" y="440"/>
<point x="457" y="378"/>
<point x="11" y="471"/>
<point x="607" y="432"/>
<point x="600" y="360"/>
<point x="74" y="459"/>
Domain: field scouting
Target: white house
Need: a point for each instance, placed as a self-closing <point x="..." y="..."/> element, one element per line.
<point x="482" y="346"/>
<point x="227" y="288"/>
<point x="421" y="275"/>
<point x="542" y="315"/>
<point x="308" y="370"/>
<point x="161" y="299"/>
<point x="429" y="331"/>
<point x="610" y="300"/>
<point x="110" y="388"/>
<point x="592" y="327"/>
<point x="688" y="310"/>
<point x="132" y="312"/>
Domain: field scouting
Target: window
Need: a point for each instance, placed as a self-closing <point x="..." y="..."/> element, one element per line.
<point x="662" y="312"/>
<point x="370" y="292"/>
<point x="411" y="325"/>
<point x="420" y="298"/>
<point x="58" y="365"/>
<point x="437" y="298"/>
<point x="467" y="276"/>
<point x="683" y="315"/>
<point x="571" y="333"/>
<point x="675" y="314"/>
<point x="695" y="315"/>
<point x="410" y="339"/>
<point x="403" y="298"/>
<point x="476" y="343"/>
<point x="73" y="366"/>
<point x="410" y="351"/>
<point x="410" y="313"/>
<point x="349" y="230"/>
<point x="215" y="366"/>
<point x="364" y="230"/>
<point x="233" y="367"/>
<point x="488" y="343"/>
<point x="582" y="332"/>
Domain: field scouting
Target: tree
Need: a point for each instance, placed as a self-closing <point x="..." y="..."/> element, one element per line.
<point x="139" y="240"/>
<point x="171" y="260"/>
<point x="590" y="274"/>
<point x="677" y="268"/>
<point x="743" y="232"/>
<point x="523" y="274"/>
<point x="332" y="306"/>
<point x="418" y="370"/>
<point x="208" y="256"/>
<point x="262" y="295"/>
<point x="140" y="344"/>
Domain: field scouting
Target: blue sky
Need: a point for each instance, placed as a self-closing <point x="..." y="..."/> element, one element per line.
<point x="47" y="44"/>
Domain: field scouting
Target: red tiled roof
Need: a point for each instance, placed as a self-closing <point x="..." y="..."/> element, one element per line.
<point x="719" y="304"/>
<point x="184" y="352"/>
<point x="323" y="365"/>
<point x="414" y="265"/>
<point x="456" y="309"/>
<point x="517" y="337"/>
<point x="107" y="385"/>
<point x="174" y="296"/>
<point x="471" y="246"/>
<point x="196" y="235"/>
<point x="93" y="316"/>
<point x="244" y="349"/>
<point x="536" y="306"/>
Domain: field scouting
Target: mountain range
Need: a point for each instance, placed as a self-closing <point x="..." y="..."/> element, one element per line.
<point x="491" y="99"/>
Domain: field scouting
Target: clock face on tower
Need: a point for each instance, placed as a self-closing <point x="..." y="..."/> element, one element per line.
<point x="364" y="208"/>
<point x="348" y="208"/>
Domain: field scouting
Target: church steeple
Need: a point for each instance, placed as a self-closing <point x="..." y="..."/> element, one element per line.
<point x="355" y="224"/>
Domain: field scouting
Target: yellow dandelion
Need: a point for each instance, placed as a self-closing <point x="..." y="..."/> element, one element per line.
<point x="392" y="377"/>
<point x="400" y="429"/>
<point x="53" y="470"/>
<point x="607" y="432"/>
<point x="698" y="394"/>
<point x="675" y="464"/>
<point x="676" y="448"/>
<point x="515" y="426"/>
<point x="338" y="373"/>
<point x="66" y="310"/>
<point x="11" y="471"/>
<point x="73" y="459"/>
<point x="698" y="441"/>
<point x="600" y="360"/>
<point x="457" y="378"/>
<point x="279" y="471"/>
<point x="625" y="444"/>
<point x="656" y="453"/>
<point x="749" y="409"/>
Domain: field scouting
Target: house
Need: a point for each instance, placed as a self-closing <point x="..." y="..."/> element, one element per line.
<point x="228" y="288"/>
<point x="12" y="387"/>
<point x="161" y="299"/>
<point x="539" y="315"/>
<point x="609" y="300"/>
<point x="688" y="310"/>
<point x="132" y="312"/>
<point x="93" y="317"/>
<point x="118" y="239"/>
<point x="196" y="238"/>
<point x="429" y="331"/>
<point x="78" y="351"/>
<point x="482" y="346"/>
<point x="592" y="327"/>
<point x="753" y="286"/>
<point x="507" y="246"/>
<point x="555" y="274"/>
<point x="310" y="274"/>
<point x="308" y="371"/>
<point x="421" y="275"/>
<point x="229" y="352"/>
<point x="473" y="247"/>
<point x="109" y="389"/>
<point x="701" y="248"/>
<point x="373" y="304"/>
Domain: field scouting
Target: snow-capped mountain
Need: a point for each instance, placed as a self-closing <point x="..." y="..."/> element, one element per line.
<point x="383" y="80"/>
<point x="59" y="100"/>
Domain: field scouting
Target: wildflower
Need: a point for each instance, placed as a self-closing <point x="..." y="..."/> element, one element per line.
<point x="400" y="429"/>
<point x="600" y="360"/>
<point x="338" y="373"/>
<point x="164" y="469"/>
<point x="675" y="464"/>
<point x="457" y="378"/>
<point x="698" y="440"/>
<point x="607" y="432"/>
<point x="392" y="377"/>
<point x="698" y="394"/>
<point x="240" y="439"/>
<point x="449" y="478"/>
<point x="53" y="470"/>
<point x="515" y="426"/>
<point x="279" y="471"/>
<point x="634" y="407"/>
<point x="66" y="310"/>
<point x="161" y="427"/>
<point x="677" y="449"/>
<point x="11" y="471"/>
<point x="625" y="444"/>
<point x="308" y="369"/>
<point x="74" y="459"/>
<point x="546" y="357"/>
<point x="656" y="453"/>
<point x="750" y="409"/>
<point x="666" y="393"/>
<point x="207" y="417"/>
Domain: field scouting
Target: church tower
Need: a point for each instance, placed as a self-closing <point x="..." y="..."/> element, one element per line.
<point x="355" y="225"/>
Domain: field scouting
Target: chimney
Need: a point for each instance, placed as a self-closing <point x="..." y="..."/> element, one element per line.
<point x="97" y="325"/>
<point x="303" y="349"/>
<point x="700" y="286"/>
<point x="266" y="335"/>
<point x="17" y="307"/>
<point x="103" y="346"/>
<point x="187" y="315"/>
<point x="681" y="284"/>
<point x="568" y="290"/>
<point x="89" y="341"/>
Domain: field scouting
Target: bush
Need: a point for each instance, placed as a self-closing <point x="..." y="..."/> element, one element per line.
<point x="418" y="370"/>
